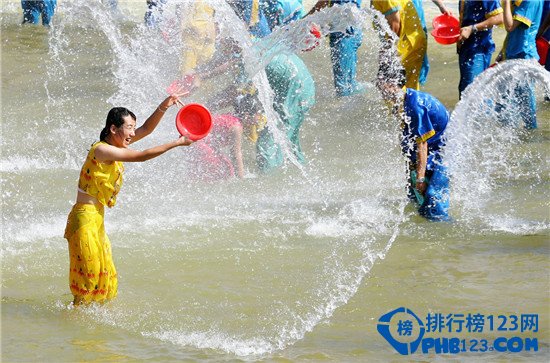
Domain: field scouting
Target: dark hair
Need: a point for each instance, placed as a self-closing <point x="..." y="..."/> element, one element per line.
<point x="115" y="117"/>
<point x="393" y="74"/>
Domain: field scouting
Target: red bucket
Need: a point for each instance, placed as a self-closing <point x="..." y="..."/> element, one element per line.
<point x="542" y="49"/>
<point x="446" y="35"/>
<point x="194" y="121"/>
<point x="445" y="20"/>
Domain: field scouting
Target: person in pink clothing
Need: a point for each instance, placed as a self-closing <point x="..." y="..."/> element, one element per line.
<point x="219" y="155"/>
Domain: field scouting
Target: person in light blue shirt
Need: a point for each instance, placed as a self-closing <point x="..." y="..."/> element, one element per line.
<point x="475" y="44"/>
<point x="522" y="20"/>
<point x="343" y="52"/>
<point x="34" y="9"/>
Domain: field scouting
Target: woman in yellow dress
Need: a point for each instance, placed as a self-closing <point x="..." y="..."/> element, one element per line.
<point x="92" y="275"/>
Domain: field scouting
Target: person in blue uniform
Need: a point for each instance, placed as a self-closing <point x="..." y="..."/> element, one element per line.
<point x="34" y="9"/>
<point x="424" y="122"/>
<point x="475" y="44"/>
<point x="522" y="20"/>
<point x="343" y="52"/>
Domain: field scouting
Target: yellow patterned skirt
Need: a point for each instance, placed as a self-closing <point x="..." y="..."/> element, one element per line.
<point x="92" y="275"/>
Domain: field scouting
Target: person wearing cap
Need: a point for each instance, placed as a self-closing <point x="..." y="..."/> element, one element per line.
<point x="424" y="120"/>
<point x="343" y="52"/>
<point x="412" y="45"/>
<point x="475" y="45"/>
<point x="521" y="20"/>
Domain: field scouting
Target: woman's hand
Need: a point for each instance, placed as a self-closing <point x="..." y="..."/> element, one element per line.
<point x="172" y="100"/>
<point x="184" y="141"/>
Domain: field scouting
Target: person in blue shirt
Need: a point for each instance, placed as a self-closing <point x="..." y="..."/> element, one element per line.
<point x="475" y="45"/>
<point x="282" y="12"/>
<point x="522" y="20"/>
<point x="424" y="120"/>
<point x="252" y="13"/>
<point x="34" y="9"/>
<point x="343" y="53"/>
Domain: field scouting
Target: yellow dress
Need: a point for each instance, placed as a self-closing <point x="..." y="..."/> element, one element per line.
<point x="199" y="36"/>
<point x="412" y="44"/>
<point x="92" y="274"/>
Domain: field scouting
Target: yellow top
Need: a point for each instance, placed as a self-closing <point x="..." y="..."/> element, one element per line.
<point x="199" y="36"/>
<point x="412" y="34"/>
<point x="101" y="180"/>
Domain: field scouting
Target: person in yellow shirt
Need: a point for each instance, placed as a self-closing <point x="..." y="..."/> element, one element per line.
<point x="92" y="273"/>
<point x="198" y="31"/>
<point x="404" y="21"/>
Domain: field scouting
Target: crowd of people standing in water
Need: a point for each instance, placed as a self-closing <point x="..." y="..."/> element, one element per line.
<point x="92" y="273"/>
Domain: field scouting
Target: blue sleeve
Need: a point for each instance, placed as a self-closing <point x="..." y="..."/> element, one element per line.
<point x="492" y="8"/>
<point x="526" y="11"/>
<point x="417" y="106"/>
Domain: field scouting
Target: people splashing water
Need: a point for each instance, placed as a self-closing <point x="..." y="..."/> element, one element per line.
<point x="92" y="274"/>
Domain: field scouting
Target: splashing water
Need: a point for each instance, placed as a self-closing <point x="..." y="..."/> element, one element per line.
<point x="245" y="267"/>
<point x="248" y="267"/>
<point x="490" y="152"/>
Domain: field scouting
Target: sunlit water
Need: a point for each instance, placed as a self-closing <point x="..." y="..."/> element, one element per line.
<point x="295" y="265"/>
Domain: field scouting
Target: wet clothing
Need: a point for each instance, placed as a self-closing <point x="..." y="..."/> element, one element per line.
<point x="425" y="62"/>
<point x="282" y="12"/>
<point x="101" y="180"/>
<point x="294" y="90"/>
<point x="413" y="43"/>
<point x="520" y="43"/>
<point x="474" y="56"/>
<point x="199" y="32"/>
<point x="34" y="9"/>
<point x="92" y="274"/>
<point x="210" y="161"/>
<point x="343" y="55"/>
<point x="426" y="120"/>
